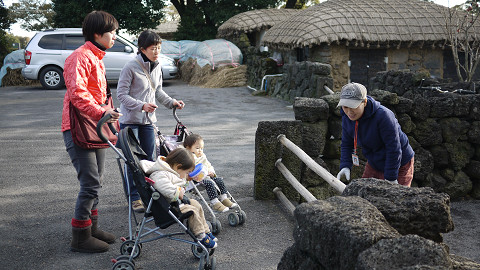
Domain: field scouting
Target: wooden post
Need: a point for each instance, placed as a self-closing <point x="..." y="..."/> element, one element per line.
<point x="278" y="192"/>
<point x="294" y="182"/>
<point x="322" y="172"/>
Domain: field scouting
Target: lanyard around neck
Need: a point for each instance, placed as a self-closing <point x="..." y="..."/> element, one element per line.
<point x="355" y="138"/>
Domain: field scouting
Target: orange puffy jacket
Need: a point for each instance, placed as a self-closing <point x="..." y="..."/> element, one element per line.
<point x="84" y="74"/>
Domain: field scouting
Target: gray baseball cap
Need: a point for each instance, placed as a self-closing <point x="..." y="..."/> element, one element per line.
<point x="352" y="95"/>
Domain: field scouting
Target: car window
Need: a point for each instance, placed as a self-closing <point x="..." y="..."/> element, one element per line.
<point x="51" y="42"/>
<point x="74" y="41"/>
<point x="118" y="46"/>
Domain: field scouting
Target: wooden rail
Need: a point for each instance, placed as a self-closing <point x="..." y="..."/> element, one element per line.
<point x="322" y="172"/>
<point x="290" y="207"/>
<point x="294" y="182"/>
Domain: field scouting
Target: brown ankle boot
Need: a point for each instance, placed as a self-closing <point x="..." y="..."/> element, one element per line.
<point x="99" y="234"/>
<point x="82" y="241"/>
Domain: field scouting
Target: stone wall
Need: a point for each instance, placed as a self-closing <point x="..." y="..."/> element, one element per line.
<point x="425" y="60"/>
<point x="443" y="129"/>
<point x="362" y="229"/>
<point x="417" y="60"/>
<point x="298" y="79"/>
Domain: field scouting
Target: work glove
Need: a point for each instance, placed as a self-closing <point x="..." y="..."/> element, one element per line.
<point x="394" y="181"/>
<point x="185" y="200"/>
<point x="345" y="171"/>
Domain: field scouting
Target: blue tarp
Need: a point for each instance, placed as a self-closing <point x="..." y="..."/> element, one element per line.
<point x="13" y="60"/>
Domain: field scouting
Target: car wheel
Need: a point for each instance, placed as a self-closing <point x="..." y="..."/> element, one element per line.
<point x="52" y="78"/>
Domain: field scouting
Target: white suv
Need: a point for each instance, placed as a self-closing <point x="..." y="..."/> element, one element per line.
<point x="46" y="52"/>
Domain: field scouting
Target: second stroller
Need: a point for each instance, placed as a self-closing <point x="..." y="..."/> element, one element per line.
<point x="220" y="199"/>
<point x="167" y="143"/>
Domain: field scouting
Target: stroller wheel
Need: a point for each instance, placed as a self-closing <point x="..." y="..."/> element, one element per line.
<point x="242" y="217"/>
<point x="212" y="265"/>
<point x="127" y="248"/>
<point x="216" y="227"/>
<point x="201" y="263"/>
<point x="123" y="265"/>
<point x="123" y="258"/>
<point x="233" y="219"/>
<point x="210" y="226"/>
<point x="198" y="252"/>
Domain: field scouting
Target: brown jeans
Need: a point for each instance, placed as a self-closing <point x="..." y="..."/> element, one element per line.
<point x="196" y="222"/>
<point x="405" y="173"/>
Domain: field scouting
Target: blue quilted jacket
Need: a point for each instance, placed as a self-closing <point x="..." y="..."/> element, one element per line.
<point x="381" y="138"/>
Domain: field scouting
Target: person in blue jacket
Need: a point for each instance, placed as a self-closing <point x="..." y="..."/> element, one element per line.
<point x="373" y="127"/>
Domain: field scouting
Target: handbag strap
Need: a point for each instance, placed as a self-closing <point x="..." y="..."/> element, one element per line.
<point x="146" y="73"/>
<point x="109" y="92"/>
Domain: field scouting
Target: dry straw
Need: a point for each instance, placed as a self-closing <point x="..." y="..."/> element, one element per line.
<point x="224" y="76"/>
<point x="14" y="78"/>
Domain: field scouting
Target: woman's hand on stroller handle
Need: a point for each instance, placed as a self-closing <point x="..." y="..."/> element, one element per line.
<point x="111" y="116"/>
<point x="114" y="115"/>
<point x="178" y="104"/>
<point x="149" y="107"/>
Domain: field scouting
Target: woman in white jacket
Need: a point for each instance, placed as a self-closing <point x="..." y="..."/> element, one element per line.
<point x="169" y="175"/>
<point x="139" y="85"/>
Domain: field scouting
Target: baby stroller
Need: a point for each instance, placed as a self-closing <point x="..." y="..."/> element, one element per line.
<point x="166" y="144"/>
<point x="158" y="211"/>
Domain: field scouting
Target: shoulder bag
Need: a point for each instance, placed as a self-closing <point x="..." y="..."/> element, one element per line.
<point x="83" y="127"/>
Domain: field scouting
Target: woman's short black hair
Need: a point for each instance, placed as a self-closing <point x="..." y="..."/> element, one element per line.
<point x="98" y="22"/>
<point x="148" y="38"/>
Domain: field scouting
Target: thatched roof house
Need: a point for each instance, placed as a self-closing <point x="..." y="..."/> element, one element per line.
<point x="362" y="23"/>
<point x="254" y="23"/>
<point x="361" y="37"/>
<point x="167" y="29"/>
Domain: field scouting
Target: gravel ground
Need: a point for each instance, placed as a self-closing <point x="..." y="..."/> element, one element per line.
<point x="38" y="187"/>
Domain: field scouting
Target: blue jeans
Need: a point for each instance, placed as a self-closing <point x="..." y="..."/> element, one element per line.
<point x="146" y="136"/>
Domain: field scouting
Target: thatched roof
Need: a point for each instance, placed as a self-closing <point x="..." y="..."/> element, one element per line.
<point x="167" y="27"/>
<point x="362" y="23"/>
<point x="254" y="20"/>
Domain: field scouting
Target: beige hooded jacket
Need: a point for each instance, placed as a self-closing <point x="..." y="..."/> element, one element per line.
<point x="167" y="180"/>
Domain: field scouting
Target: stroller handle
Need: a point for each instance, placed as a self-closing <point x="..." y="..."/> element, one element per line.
<point x="175" y="114"/>
<point x="100" y="124"/>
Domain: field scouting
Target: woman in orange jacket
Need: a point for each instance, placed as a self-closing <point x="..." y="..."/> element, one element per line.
<point x="84" y="74"/>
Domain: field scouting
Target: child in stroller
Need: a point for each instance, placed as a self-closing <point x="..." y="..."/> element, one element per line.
<point x="169" y="175"/>
<point x="221" y="203"/>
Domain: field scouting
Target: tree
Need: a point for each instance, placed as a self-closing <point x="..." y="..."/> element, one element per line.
<point x="5" y="22"/>
<point x="132" y="15"/>
<point x="171" y="14"/>
<point x="34" y="15"/>
<point x="200" y="19"/>
<point x="462" y="27"/>
<point x="295" y="4"/>
<point x="301" y="4"/>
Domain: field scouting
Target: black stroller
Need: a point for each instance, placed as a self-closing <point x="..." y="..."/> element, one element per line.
<point x="166" y="144"/>
<point x="158" y="210"/>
